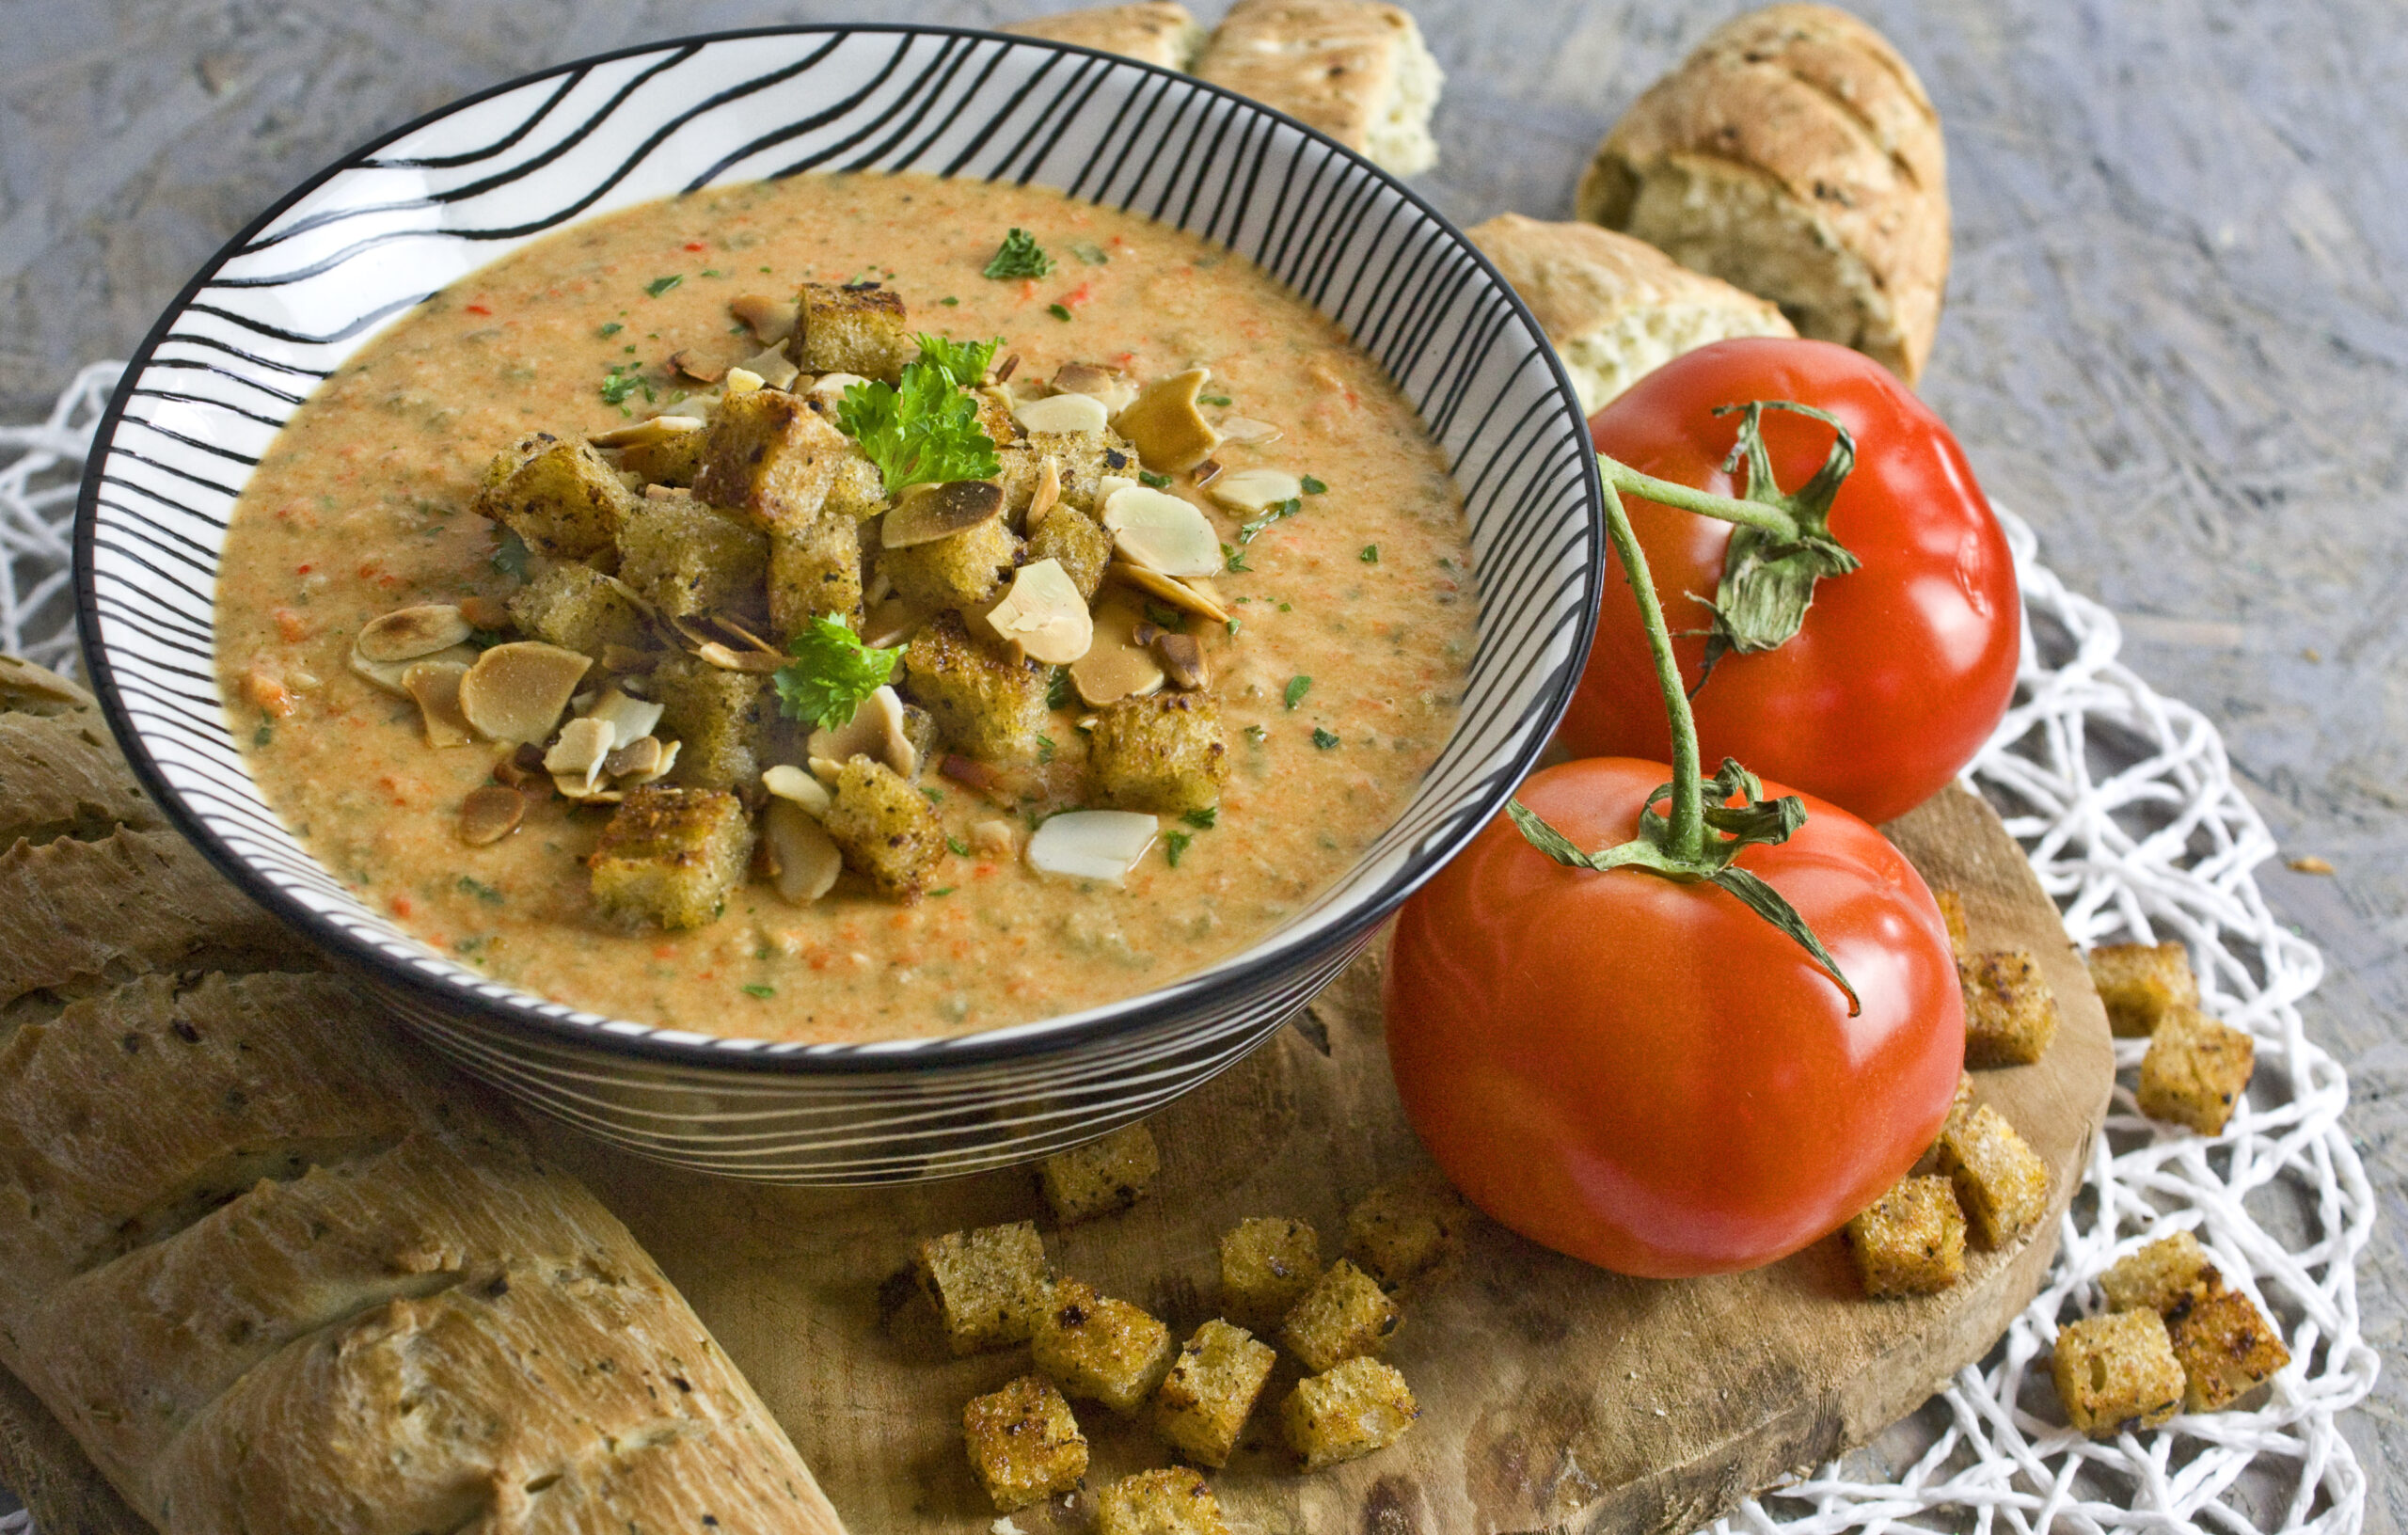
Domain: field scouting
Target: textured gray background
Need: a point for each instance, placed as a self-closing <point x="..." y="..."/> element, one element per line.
<point x="2174" y="338"/>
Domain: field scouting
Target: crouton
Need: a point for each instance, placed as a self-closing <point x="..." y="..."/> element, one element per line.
<point x="1163" y="754"/>
<point x="856" y="489"/>
<point x="770" y="457"/>
<point x="2169" y="1273"/>
<point x="2001" y="1182"/>
<point x="2118" y="1371"/>
<point x="671" y="856"/>
<point x="1402" y="1229"/>
<point x="2195" y="1069"/>
<point x="2010" y="1013"/>
<point x="1211" y="1388"/>
<point x="959" y="570"/>
<point x="673" y="460"/>
<point x="2226" y="1347"/>
<point x="858" y="329"/>
<point x="688" y="560"/>
<point x="988" y="1285"/>
<point x="562" y="498"/>
<point x="1081" y="460"/>
<point x="1344" y="1316"/>
<point x="1359" y="1406"/>
<point x="1173" y="1501"/>
<point x="1025" y="1445"/>
<point x="1093" y="1346"/>
<point x="1911" y="1242"/>
<point x="2141" y="982"/>
<point x="1077" y="543"/>
<point x="717" y="718"/>
<point x="1100" y="1176"/>
<point x="1266" y="1266"/>
<point x="986" y="705"/>
<point x="577" y="607"/>
<point x="814" y="572"/>
<point x="885" y="829"/>
<point x="1952" y="911"/>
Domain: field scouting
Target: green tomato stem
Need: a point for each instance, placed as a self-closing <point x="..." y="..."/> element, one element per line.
<point x="1705" y="503"/>
<point x="1686" y="841"/>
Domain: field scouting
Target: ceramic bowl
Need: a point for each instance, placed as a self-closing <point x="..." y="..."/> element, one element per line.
<point x="359" y="244"/>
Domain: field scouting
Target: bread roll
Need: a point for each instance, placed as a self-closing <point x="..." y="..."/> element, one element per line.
<point x="1357" y="71"/>
<point x="1616" y="308"/>
<point x="1155" y="32"/>
<point x="1795" y="154"/>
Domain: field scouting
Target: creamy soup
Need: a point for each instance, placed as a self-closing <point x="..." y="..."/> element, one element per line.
<point x="1336" y="684"/>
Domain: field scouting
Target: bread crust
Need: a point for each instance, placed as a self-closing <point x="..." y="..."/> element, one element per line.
<point x="1158" y="32"/>
<point x="1346" y="67"/>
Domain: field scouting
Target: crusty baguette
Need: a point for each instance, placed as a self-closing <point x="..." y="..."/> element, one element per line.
<point x="1152" y="32"/>
<point x="1796" y="154"/>
<point x="1355" y="69"/>
<point x="1615" y="307"/>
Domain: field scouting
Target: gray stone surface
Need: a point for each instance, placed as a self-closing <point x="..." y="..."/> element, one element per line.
<point x="2175" y="340"/>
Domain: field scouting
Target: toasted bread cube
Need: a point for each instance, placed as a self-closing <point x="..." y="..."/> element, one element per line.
<point x="577" y="607"/>
<point x="1346" y="1315"/>
<point x="671" y="856"/>
<point x="1100" y="1176"/>
<point x="1023" y="1443"/>
<point x="1267" y="1265"/>
<point x="1401" y="1229"/>
<point x="1211" y="1388"/>
<point x="671" y="461"/>
<point x="1952" y="911"/>
<point x="959" y="570"/>
<point x="2141" y="982"/>
<point x="2195" y="1069"/>
<point x="858" y="329"/>
<point x="988" y="1285"/>
<point x="718" y="718"/>
<point x="688" y="560"/>
<point x="1174" y="1501"/>
<point x="885" y="829"/>
<point x="2118" y="1371"/>
<point x="562" y="498"/>
<point x="2226" y="1346"/>
<point x="1911" y="1242"/>
<point x="1078" y="542"/>
<point x="771" y="457"/>
<point x="1082" y="461"/>
<point x="1163" y="754"/>
<point x="2167" y="1274"/>
<point x="1359" y="1406"/>
<point x="814" y="572"/>
<point x="1093" y="1346"/>
<point x="2001" y="1182"/>
<point x="2010" y="1013"/>
<point x="986" y="704"/>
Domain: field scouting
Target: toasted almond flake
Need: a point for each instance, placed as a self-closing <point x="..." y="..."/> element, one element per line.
<point x="386" y="675"/>
<point x="889" y="622"/>
<point x="695" y="367"/>
<point x="832" y="386"/>
<point x="875" y="730"/>
<point x="1099" y="844"/>
<point x="1184" y="662"/>
<point x="751" y="641"/>
<point x="1003" y="372"/>
<point x="1048" y="492"/>
<point x="1044" y="614"/>
<point x="485" y="612"/>
<point x="1247" y="431"/>
<point x="1204" y="473"/>
<point x="1250" y="490"/>
<point x="1165" y="426"/>
<point x="1153" y="582"/>
<point x="1116" y="667"/>
<point x="727" y="659"/>
<point x="1162" y="533"/>
<point x="413" y="633"/>
<point x="826" y="770"/>
<point x="693" y="631"/>
<point x="981" y="776"/>
<point x="774" y="368"/>
<point x="644" y="434"/>
<point x="771" y="319"/>
<point x="638" y="759"/>
<point x="490" y="813"/>
<point x="804" y="858"/>
<point x="995" y="838"/>
<point x="788" y="781"/>
<point x="629" y="718"/>
<point x="742" y="381"/>
<point x="659" y="768"/>
<point x="583" y="793"/>
<point x="583" y="746"/>
<point x="435" y="686"/>
<point x="516" y="692"/>
<point x="1062" y="413"/>
<point x="924" y="513"/>
<point x="1112" y="387"/>
<point x="1109" y="485"/>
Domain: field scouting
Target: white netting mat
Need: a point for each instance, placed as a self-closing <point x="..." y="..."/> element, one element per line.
<point x="2127" y="807"/>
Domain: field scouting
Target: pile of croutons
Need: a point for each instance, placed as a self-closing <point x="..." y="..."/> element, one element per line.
<point x="992" y="1289"/>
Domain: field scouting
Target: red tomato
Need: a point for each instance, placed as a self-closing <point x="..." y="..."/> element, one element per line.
<point x="1649" y="1076"/>
<point x="1903" y="667"/>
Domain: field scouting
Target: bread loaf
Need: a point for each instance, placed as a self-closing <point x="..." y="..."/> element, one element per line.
<point x="1357" y="71"/>
<point x="1795" y="154"/>
<point x="1615" y="308"/>
<point x="1154" y="32"/>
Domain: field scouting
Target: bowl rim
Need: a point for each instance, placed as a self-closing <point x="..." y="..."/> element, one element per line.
<point x="911" y="1055"/>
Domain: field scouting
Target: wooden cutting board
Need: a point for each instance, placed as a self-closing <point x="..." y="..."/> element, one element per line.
<point x="1554" y="1396"/>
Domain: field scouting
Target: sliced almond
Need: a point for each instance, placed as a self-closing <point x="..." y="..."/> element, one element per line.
<point x="644" y="434"/>
<point x="640" y="759"/>
<point x="625" y="658"/>
<point x="1250" y="490"/>
<point x="788" y="781"/>
<point x="1062" y="413"/>
<point x="522" y="767"/>
<point x="742" y="381"/>
<point x="889" y="622"/>
<point x="388" y="675"/>
<point x="1047" y="495"/>
<point x="826" y="770"/>
<point x="489" y="814"/>
<point x="578" y="754"/>
<point x="1109" y="485"/>
<point x="1184" y="662"/>
<point x="801" y="854"/>
<point x="1154" y="583"/>
<point x="1204" y="473"/>
<point x="771" y="319"/>
<point x="1099" y="844"/>
<point x="1116" y="667"/>
<point x="629" y="718"/>
<point x="413" y="632"/>
<point x="831" y="387"/>
<point x="928" y="513"/>
<point x="1162" y="533"/>
<point x="516" y="692"/>
<point x="1044" y="614"/>
<point x="1107" y="384"/>
<point x="436" y="684"/>
<point x="875" y="730"/>
<point x="1163" y="423"/>
<point x="576" y="788"/>
<point x="996" y="838"/>
<point x="695" y="367"/>
<point x="773" y="368"/>
<point x="666" y="760"/>
<point x="1247" y="431"/>
<point x="727" y="658"/>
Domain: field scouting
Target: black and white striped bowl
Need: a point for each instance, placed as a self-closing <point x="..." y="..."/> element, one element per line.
<point x="360" y="244"/>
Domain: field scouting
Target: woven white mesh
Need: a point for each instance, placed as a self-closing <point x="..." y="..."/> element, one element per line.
<point x="2129" y="809"/>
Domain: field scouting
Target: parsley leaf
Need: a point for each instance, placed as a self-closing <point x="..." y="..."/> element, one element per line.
<point x="1312" y="486"/>
<point x="1297" y="687"/>
<point x="965" y="362"/>
<point x="924" y="432"/>
<point x="659" y="286"/>
<point x="1323" y="738"/>
<point x="1045" y="748"/>
<point x="757" y="990"/>
<point x="1249" y="531"/>
<point x="1202" y="819"/>
<point x="1233" y="558"/>
<point x="1214" y="400"/>
<point x="1157" y="482"/>
<point x="624" y="379"/>
<point x="510" y="555"/>
<point x="960" y="848"/>
<point x="1057" y="692"/>
<point x="1019" y="256"/>
<point x="1059" y="312"/>
<point x="482" y="890"/>
<point x="831" y="672"/>
<point x="1370" y="555"/>
<point x="1090" y="252"/>
<point x="1174" y="844"/>
<point x="610" y="329"/>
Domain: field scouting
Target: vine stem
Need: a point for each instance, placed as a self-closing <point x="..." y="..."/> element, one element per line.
<point x="1688" y="839"/>
<point x="1705" y="503"/>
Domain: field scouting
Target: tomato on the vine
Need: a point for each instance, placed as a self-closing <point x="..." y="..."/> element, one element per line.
<point x="1646" y="1073"/>
<point x="1903" y="667"/>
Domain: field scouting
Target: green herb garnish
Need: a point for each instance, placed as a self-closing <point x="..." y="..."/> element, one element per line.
<point x="1234" y="559"/>
<point x="965" y="362"/>
<point x="1174" y="844"/>
<point x="1057" y="692"/>
<point x="1059" y="312"/>
<point x="924" y="432"/>
<point x="1323" y="738"/>
<point x="624" y="379"/>
<point x="1297" y="687"/>
<point x="1045" y="748"/>
<point x="757" y="989"/>
<point x="1090" y="252"/>
<point x="1202" y="819"/>
<point x="480" y="890"/>
<point x="659" y="286"/>
<point x="610" y="329"/>
<point x="1370" y="555"/>
<point x="1157" y="482"/>
<point x="1214" y="400"/>
<point x="1312" y="486"/>
<point x="261" y="736"/>
<point x="960" y="848"/>
<point x="1249" y="531"/>
<point x="1165" y="617"/>
<point x="831" y="672"/>
<point x="1019" y="256"/>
